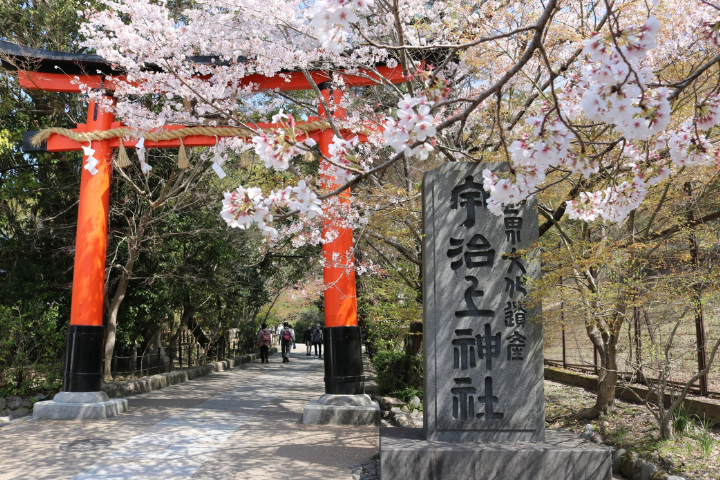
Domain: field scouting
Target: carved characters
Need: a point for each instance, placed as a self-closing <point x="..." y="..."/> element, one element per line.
<point x="468" y="195"/>
<point x="515" y="314"/>
<point x="516" y="344"/>
<point x="463" y="349"/>
<point x="488" y="347"/>
<point x="513" y="224"/>
<point x="471" y="293"/>
<point x="478" y="254"/>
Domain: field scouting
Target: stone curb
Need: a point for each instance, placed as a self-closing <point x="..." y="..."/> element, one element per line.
<point x="316" y="413"/>
<point x="156" y="382"/>
<point x="16" y="407"/>
<point x="708" y="410"/>
<point x="367" y="470"/>
<point x="635" y="468"/>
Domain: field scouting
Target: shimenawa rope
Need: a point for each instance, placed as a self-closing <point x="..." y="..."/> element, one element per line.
<point x="243" y="132"/>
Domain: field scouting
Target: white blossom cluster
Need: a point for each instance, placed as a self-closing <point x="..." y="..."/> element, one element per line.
<point x="339" y="151"/>
<point x="614" y="87"/>
<point x="332" y="20"/>
<point x="613" y="90"/>
<point x="414" y="124"/>
<point x="613" y="203"/>
<point x="339" y="214"/>
<point x="245" y="207"/>
<point x="276" y="147"/>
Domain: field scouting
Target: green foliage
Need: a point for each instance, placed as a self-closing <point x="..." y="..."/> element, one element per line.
<point x="38" y="212"/>
<point x="704" y="437"/>
<point x="190" y="262"/>
<point x="310" y="316"/>
<point x="407" y="394"/>
<point x="682" y="419"/>
<point x="399" y="374"/>
<point x="31" y="349"/>
<point x="386" y="308"/>
<point x="685" y="424"/>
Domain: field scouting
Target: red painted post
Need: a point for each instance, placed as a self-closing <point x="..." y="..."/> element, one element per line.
<point x="340" y="295"/>
<point x="91" y="240"/>
<point x="86" y="334"/>
<point x="343" y="350"/>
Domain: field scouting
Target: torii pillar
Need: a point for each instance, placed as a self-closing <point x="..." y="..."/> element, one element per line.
<point x="344" y="402"/>
<point x="82" y="396"/>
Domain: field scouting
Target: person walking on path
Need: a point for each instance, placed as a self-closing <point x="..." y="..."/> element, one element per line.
<point x="293" y="339"/>
<point x="278" y="332"/>
<point x="264" y="341"/>
<point x="317" y="340"/>
<point x="308" y="340"/>
<point x="287" y="340"/>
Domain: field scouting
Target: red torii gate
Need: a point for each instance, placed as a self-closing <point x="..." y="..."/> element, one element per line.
<point x="86" y="333"/>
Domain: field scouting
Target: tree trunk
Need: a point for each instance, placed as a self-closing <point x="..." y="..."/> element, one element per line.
<point x="605" y="342"/>
<point x="667" y="429"/>
<point x="112" y="322"/>
<point x="415" y="338"/>
<point x="133" y="252"/>
<point x="118" y="298"/>
<point x="198" y="332"/>
<point x="607" y="380"/>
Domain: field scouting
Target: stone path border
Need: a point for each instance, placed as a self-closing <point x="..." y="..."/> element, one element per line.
<point x="367" y="470"/>
<point x="156" y="382"/>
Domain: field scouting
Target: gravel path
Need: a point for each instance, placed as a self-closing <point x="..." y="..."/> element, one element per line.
<point x="241" y="424"/>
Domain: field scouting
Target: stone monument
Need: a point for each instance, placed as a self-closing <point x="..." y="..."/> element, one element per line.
<point x="484" y="413"/>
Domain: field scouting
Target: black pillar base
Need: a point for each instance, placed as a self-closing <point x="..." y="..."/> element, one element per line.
<point x="83" y="359"/>
<point x="343" y="361"/>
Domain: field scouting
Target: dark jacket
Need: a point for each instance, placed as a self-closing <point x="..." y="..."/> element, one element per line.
<point x="317" y="335"/>
<point x="308" y="336"/>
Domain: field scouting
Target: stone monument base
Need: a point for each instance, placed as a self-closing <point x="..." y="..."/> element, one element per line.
<point x="79" y="406"/>
<point x="342" y="410"/>
<point x="405" y="454"/>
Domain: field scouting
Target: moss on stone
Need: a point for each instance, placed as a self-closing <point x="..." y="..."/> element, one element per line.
<point x="658" y="475"/>
<point x="626" y="466"/>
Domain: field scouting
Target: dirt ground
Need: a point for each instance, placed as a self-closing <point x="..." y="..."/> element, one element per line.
<point x="633" y="427"/>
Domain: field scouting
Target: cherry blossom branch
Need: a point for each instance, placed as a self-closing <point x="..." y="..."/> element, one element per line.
<point x="408" y="254"/>
<point x="680" y="86"/>
<point x="455" y="47"/>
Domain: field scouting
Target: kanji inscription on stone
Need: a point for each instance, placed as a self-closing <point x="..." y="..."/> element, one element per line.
<point x="483" y="348"/>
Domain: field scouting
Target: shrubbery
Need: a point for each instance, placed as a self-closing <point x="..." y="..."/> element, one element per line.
<point x="32" y="346"/>
<point x="399" y="374"/>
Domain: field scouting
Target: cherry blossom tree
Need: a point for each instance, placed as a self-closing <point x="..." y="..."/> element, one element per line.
<point x="608" y="96"/>
<point x="598" y="102"/>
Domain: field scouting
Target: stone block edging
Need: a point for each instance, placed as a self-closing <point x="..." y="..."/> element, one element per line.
<point x="635" y="468"/>
<point x="162" y="380"/>
<point x="17" y="407"/>
<point x="696" y="406"/>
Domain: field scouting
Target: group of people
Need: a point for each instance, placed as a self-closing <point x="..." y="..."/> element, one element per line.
<point x="286" y="338"/>
<point x="314" y="337"/>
